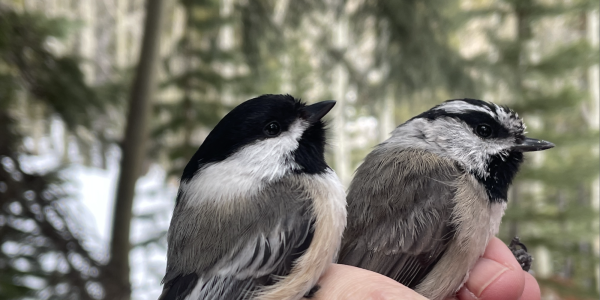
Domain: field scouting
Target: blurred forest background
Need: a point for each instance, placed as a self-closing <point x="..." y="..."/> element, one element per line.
<point x="74" y="101"/>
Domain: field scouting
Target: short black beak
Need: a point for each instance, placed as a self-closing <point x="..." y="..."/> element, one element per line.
<point x="315" y="112"/>
<point x="532" y="145"/>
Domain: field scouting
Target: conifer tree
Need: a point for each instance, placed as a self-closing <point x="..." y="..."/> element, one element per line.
<point x="193" y="74"/>
<point x="414" y="58"/>
<point x="45" y="252"/>
<point x="538" y="68"/>
<point x="208" y="79"/>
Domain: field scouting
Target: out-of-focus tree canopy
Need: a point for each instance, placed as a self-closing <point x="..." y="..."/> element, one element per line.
<point x="70" y="63"/>
<point x="44" y="249"/>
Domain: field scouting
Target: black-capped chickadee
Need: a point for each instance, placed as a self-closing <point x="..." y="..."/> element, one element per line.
<point x="424" y="203"/>
<point x="259" y="214"/>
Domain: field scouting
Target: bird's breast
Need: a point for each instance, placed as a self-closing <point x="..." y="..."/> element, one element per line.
<point x="329" y="209"/>
<point x="476" y="220"/>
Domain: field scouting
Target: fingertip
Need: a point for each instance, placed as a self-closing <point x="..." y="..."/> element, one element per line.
<point x="495" y="280"/>
<point x="498" y="251"/>
<point x="496" y="276"/>
<point x="532" y="288"/>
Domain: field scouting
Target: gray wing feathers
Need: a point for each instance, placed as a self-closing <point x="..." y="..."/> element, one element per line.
<point x="219" y="288"/>
<point x="236" y="249"/>
<point x="399" y="213"/>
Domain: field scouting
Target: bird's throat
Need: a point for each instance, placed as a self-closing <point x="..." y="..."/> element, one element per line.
<point x="501" y="171"/>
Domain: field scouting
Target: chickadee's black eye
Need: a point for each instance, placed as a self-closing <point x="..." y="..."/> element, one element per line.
<point x="272" y="129"/>
<point x="484" y="130"/>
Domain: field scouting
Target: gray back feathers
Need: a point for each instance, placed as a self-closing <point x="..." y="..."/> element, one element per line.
<point x="399" y="213"/>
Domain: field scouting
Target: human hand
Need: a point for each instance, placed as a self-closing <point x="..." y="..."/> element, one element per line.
<point x="496" y="276"/>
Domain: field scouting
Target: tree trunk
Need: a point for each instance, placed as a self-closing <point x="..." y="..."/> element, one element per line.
<point x="340" y="87"/>
<point x="133" y="151"/>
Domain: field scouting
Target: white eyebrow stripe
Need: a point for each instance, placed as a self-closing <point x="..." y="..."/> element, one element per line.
<point x="463" y="107"/>
<point x="503" y="115"/>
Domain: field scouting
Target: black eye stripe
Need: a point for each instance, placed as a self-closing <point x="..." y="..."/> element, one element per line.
<point x="473" y="119"/>
<point x="476" y="118"/>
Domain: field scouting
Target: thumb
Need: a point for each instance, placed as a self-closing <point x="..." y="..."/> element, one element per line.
<point x="342" y="282"/>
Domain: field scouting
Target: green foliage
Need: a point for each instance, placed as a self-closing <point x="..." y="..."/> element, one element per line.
<point x="198" y="83"/>
<point x="416" y="46"/>
<point x="415" y="56"/>
<point x="35" y="225"/>
<point x="565" y="59"/>
<point x="54" y="81"/>
<point x="37" y="229"/>
<point x="263" y="43"/>
<point x="197" y="70"/>
<point x="415" y="52"/>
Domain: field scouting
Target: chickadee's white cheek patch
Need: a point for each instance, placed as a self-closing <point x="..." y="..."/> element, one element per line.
<point x="247" y="171"/>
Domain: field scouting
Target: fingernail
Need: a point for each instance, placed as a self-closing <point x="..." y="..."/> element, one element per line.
<point x="483" y="274"/>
